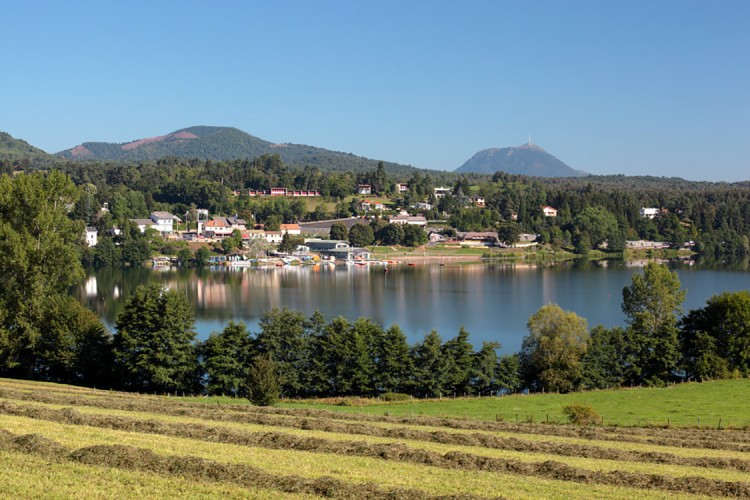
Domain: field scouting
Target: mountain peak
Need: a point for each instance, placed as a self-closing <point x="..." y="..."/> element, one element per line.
<point x="526" y="159"/>
<point x="222" y="143"/>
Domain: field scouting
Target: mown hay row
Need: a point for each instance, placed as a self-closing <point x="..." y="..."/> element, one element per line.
<point x="709" y="433"/>
<point x="390" y="451"/>
<point x="129" y="457"/>
<point x="680" y="438"/>
<point x="485" y="441"/>
<point x="473" y="439"/>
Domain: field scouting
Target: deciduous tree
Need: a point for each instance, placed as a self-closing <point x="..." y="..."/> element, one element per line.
<point x="651" y="305"/>
<point x="38" y="263"/>
<point x="718" y="331"/>
<point x="361" y="235"/>
<point x="338" y="231"/>
<point x="551" y="353"/>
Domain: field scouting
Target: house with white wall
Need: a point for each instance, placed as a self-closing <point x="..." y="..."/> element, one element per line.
<point x="164" y="221"/>
<point x="649" y="213"/>
<point x="549" y="211"/>
<point x="91" y="236"/>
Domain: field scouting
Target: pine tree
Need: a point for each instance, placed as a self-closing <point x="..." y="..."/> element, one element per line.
<point x="226" y="357"/>
<point x="394" y="365"/>
<point x="154" y="344"/>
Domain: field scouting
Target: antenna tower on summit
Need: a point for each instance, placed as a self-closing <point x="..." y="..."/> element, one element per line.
<point x="529" y="139"/>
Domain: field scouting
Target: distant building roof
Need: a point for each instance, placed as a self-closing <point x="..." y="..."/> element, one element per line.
<point x="164" y="215"/>
<point x="478" y="235"/>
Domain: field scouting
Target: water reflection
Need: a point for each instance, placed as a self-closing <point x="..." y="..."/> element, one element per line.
<point x="492" y="301"/>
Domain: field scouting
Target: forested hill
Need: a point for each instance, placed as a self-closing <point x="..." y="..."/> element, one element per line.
<point x="15" y="150"/>
<point x="527" y="159"/>
<point x="225" y="143"/>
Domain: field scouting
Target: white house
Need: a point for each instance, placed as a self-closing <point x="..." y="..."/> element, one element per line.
<point x="478" y="201"/>
<point x="222" y="226"/>
<point x="364" y="189"/>
<point x="549" y="211"/>
<point x="440" y="192"/>
<point x="422" y="205"/>
<point x="91" y="236"/>
<point x="405" y="218"/>
<point x="292" y="229"/>
<point x="163" y="221"/>
<point x="274" y="237"/>
<point x="649" y="213"/>
<point x="402" y="187"/>
<point x="368" y="205"/>
<point x="436" y="237"/>
<point x="143" y="224"/>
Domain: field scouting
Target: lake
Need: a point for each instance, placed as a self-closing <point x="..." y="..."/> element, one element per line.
<point x="493" y="302"/>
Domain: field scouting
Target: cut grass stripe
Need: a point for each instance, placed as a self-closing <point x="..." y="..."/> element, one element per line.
<point x="28" y="476"/>
<point x="434" y="480"/>
<point x="481" y="444"/>
<point x="609" y="472"/>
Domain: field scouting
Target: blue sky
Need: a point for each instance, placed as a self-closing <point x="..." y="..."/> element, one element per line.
<point x="631" y="87"/>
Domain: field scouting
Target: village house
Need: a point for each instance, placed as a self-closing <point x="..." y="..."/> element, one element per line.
<point x="422" y="205"/>
<point x="252" y="235"/>
<point x="405" y="218"/>
<point x="477" y="201"/>
<point x="478" y="238"/>
<point x="91" y="236"/>
<point x="364" y="189"/>
<point x="164" y="221"/>
<point x="549" y="211"/>
<point x="304" y="193"/>
<point x="368" y="205"/>
<point x="402" y="187"/>
<point x="649" y="213"/>
<point x="440" y="192"/>
<point x="221" y="227"/>
<point x="274" y="237"/>
<point x="143" y="224"/>
<point x="436" y="237"/>
<point x="291" y="229"/>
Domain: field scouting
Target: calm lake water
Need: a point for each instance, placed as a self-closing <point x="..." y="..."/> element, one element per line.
<point x="493" y="302"/>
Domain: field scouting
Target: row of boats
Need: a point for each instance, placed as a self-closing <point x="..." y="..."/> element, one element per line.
<point x="218" y="262"/>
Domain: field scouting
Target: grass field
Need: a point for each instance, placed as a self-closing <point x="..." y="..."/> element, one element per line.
<point x="65" y="441"/>
<point x="681" y="405"/>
